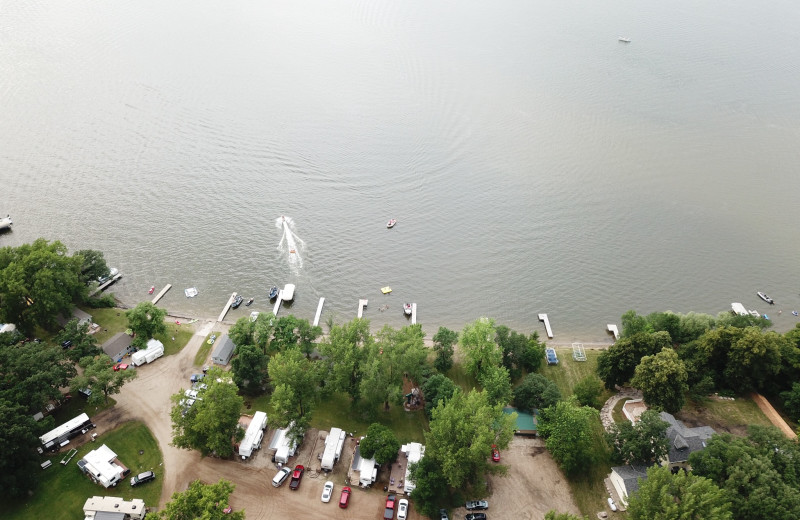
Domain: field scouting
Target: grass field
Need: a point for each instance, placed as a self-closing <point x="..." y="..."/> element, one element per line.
<point x="569" y="372"/>
<point x="205" y="349"/>
<point x="113" y="320"/>
<point x="63" y="489"/>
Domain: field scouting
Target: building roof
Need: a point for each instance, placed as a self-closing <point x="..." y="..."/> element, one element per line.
<point x="100" y="463"/>
<point x="76" y="313"/>
<point x="223" y="350"/>
<point x="630" y="476"/>
<point x="119" y="342"/>
<point x="683" y="441"/>
<point x="113" y="505"/>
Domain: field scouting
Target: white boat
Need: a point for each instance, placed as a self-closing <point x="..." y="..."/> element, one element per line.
<point x="407" y="309"/>
<point x="391" y="223"/>
<point x="623" y="39"/>
<point x="288" y="292"/>
<point x="5" y="223"/>
<point x="765" y="298"/>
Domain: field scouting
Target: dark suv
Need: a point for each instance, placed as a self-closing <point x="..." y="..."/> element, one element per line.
<point x="475" y="516"/>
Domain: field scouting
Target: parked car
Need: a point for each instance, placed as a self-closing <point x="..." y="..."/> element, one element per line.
<point x="388" y="513"/>
<point x="345" y="498"/>
<point x="141" y="478"/>
<point x="66" y="344"/>
<point x="120" y="366"/>
<point x="495" y="453"/>
<point x="402" y="509"/>
<point x="297" y="475"/>
<point x="327" y="491"/>
<point x="86" y="393"/>
<point x="196" y="377"/>
<point x="281" y="476"/>
<point x="477" y="504"/>
<point x="443" y="514"/>
<point x="475" y="516"/>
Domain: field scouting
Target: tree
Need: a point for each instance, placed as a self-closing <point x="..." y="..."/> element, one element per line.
<point x="211" y="424"/>
<point x="443" y="345"/>
<point x="99" y="376"/>
<point x="380" y="444"/>
<point x="616" y="365"/>
<point x="296" y="372"/>
<point x="461" y="435"/>
<point x="82" y="343"/>
<point x="436" y="389"/>
<point x="791" y="401"/>
<point x="633" y="324"/>
<point x="588" y="391"/>
<point x="431" y="484"/>
<point x="570" y="431"/>
<point x="344" y="351"/>
<point x="38" y="282"/>
<point x="249" y="369"/>
<point x="497" y="383"/>
<point x="93" y="265"/>
<point x="662" y="380"/>
<point x="307" y="335"/>
<point x="205" y="501"/>
<point x="146" y="321"/>
<point x="536" y="392"/>
<point x="19" y="462"/>
<point x="520" y="352"/>
<point x="667" y="496"/>
<point x="33" y="373"/>
<point x="480" y="348"/>
<point x="644" y="443"/>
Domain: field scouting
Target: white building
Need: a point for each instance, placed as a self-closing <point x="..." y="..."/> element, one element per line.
<point x="113" y="508"/>
<point x="102" y="466"/>
<point x="367" y="470"/>
<point x="414" y="452"/>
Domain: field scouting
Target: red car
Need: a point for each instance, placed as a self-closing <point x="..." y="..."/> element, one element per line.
<point x="345" y="497"/>
<point x="120" y="366"/>
<point x="495" y="453"/>
<point x="296" y="476"/>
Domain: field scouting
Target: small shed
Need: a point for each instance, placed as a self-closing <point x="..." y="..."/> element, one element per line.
<point x="118" y="346"/>
<point x="223" y="351"/>
<point x="81" y="316"/>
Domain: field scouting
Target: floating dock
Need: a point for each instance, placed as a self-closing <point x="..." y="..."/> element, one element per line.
<point x="362" y="304"/>
<point x="543" y="317"/>
<point x="103" y="287"/>
<point x="613" y="330"/>
<point x="413" y="313"/>
<point x="278" y="301"/>
<point x="226" y="308"/>
<point x="739" y="309"/>
<point x="161" y="293"/>
<point x="319" y="311"/>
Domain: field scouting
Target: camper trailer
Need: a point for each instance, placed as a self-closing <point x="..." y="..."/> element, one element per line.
<point x="55" y="438"/>
<point x="333" y="448"/>
<point x="284" y="447"/>
<point x="367" y="469"/>
<point x="253" y="435"/>
<point x="154" y="350"/>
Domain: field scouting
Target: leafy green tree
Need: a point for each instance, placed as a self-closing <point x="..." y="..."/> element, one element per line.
<point x="497" y="383"/>
<point x="552" y="515"/>
<point x="431" y="490"/>
<point x="307" y="335"/>
<point x="443" y="345"/>
<point x="643" y="443"/>
<point x="284" y="334"/>
<point x="753" y="359"/>
<point x="146" y="321"/>
<point x="662" y="380"/>
<point x="344" y="352"/>
<point x="666" y="496"/>
<point x="480" y="348"/>
<point x="19" y="462"/>
<point x="211" y="424"/>
<point x="633" y="324"/>
<point x="436" y="389"/>
<point x="83" y="343"/>
<point x="38" y="282"/>
<point x="380" y="444"/>
<point x="520" y="352"/>
<point x="570" y="431"/>
<point x="201" y="501"/>
<point x="242" y="332"/>
<point x="536" y="392"/>
<point x="93" y="265"/>
<point x="33" y="373"/>
<point x="249" y="369"/>
<point x="461" y="435"/>
<point x="616" y="365"/>
<point x="99" y="376"/>
<point x="588" y="391"/>
<point x="791" y="401"/>
<point x="293" y="370"/>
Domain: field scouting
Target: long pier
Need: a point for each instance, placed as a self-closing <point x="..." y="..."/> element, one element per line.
<point x="161" y="293"/>
<point x="319" y="311"/>
<point x="361" y="305"/>
<point x="278" y="301"/>
<point x="613" y="330"/>
<point x="543" y="317"/>
<point x="103" y="287"/>
<point x="226" y="308"/>
<point x="413" y="313"/>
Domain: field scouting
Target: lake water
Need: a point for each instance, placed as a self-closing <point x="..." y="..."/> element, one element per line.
<point x="534" y="162"/>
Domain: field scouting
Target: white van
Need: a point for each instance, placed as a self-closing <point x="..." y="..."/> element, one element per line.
<point x="281" y="477"/>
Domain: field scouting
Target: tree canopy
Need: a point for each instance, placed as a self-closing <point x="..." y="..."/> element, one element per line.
<point x="436" y="389"/>
<point x="298" y="379"/>
<point x="146" y="321"/>
<point x="497" y="383"/>
<point x="616" y="365"/>
<point x="82" y="343"/>
<point x="667" y="496"/>
<point x="479" y="346"/>
<point x="520" y="352"/>
<point x="380" y="443"/>
<point x="443" y="345"/>
<point x="249" y="369"/>
<point x="535" y="393"/>
<point x="662" y="378"/>
<point x="570" y="431"/>
<point x="643" y="443"/>
<point x="588" y="391"/>
<point x="93" y="265"/>
<point x="201" y="501"/>
<point x="19" y="461"/>
<point x="99" y="376"/>
<point x="344" y="354"/>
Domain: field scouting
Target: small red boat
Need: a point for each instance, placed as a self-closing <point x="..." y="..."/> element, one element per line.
<point x="152" y="289"/>
<point x="391" y="223"/>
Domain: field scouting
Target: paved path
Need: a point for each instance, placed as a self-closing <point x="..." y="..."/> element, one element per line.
<point x="606" y="411"/>
<point x="773" y="416"/>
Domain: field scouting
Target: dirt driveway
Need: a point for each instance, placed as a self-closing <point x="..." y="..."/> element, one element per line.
<point x="533" y="486"/>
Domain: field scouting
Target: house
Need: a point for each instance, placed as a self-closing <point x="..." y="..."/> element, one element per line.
<point x="683" y="441"/>
<point x="413" y="452"/>
<point x="625" y="480"/>
<point x="103" y="467"/>
<point x="118" y="346"/>
<point x="223" y="352"/>
<point x="81" y="316"/>
<point x="113" y="508"/>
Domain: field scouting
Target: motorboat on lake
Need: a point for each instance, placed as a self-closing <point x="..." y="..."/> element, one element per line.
<point x="625" y="40"/>
<point x="273" y="292"/>
<point x="391" y="223"/>
<point x="407" y="309"/>
<point x="152" y="289"/>
<point x="5" y="223"/>
<point x="288" y="292"/>
<point x="249" y="302"/>
<point x="236" y="302"/>
<point x="765" y="298"/>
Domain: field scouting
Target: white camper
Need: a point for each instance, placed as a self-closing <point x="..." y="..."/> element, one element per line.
<point x="253" y="436"/>
<point x="154" y="350"/>
<point x="284" y="447"/>
<point x="333" y="448"/>
<point x="367" y="470"/>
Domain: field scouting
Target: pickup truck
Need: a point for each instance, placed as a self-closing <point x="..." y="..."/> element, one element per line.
<point x="388" y="513"/>
<point x="296" y="476"/>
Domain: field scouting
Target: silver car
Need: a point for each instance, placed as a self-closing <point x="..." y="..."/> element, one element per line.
<point x="327" y="491"/>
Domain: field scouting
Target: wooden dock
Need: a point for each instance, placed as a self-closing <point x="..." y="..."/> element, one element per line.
<point x="613" y="330"/>
<point x="319" y="311"/>
<point x="162" y="293"/>
<point x="413" y="313"/>
<point x="105" y="285"/>
<point x="543" y="317"/>
<point x="226" y="308"/>
<point x="362" y="304"/>
<point x="278" y="301"/>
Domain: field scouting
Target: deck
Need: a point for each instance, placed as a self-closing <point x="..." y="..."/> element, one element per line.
<point x="319" y="311"/>
<point x="413" y="313"/>
<point x="105" y="285"/>
<point x="546" y="320"/>
<point x="613" y="330"/>
<point x="278" y="301"/>
<point x="226" y="308"/>
<point x="161" y="293"/>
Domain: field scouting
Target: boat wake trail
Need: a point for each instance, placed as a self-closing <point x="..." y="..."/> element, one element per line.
<point x="290" y="244"/>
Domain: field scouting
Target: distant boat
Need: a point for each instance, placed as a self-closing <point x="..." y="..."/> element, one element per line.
<point x="273" y="292"/>
<point x="391" y="223"/>
<point x="5" y="223"/>
<point x="249" y="302"/>
<point x="407" y="309"/>
<point x="236" y="302"/>
<point x="623" y="39"/>
<point x="152" y="288"/>
<point x="765" y="298"/>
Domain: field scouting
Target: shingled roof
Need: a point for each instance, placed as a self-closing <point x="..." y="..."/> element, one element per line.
<point x="683" y="441"/>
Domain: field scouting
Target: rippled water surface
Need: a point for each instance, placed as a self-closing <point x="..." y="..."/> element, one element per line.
<point x="534" y="163"/>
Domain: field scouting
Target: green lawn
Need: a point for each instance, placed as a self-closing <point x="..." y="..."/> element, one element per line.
<point x="63" y="489"/>
<point x="616" y="413"/>
<point x="205" y="349"/>
<point x="176" y="337"/>
<point x="568" y="372"/>
<point x="111" y="321"/>
<point x="460" y="377"/>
